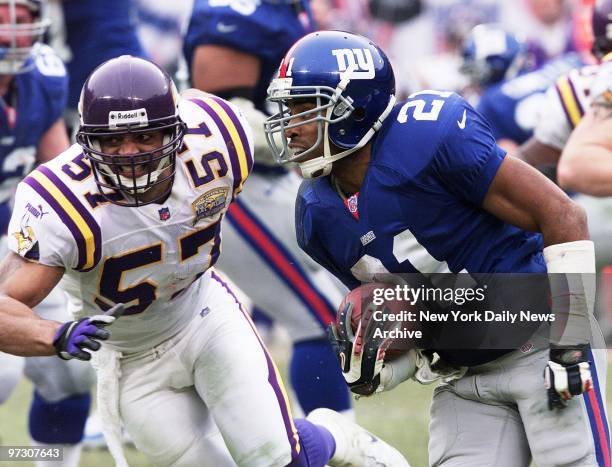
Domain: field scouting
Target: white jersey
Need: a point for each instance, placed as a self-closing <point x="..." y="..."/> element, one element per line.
<point x="566" y="103"/>
<point x="152" y="258"/>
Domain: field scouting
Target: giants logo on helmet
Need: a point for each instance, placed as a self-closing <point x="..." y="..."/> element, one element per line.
<point x="355" y="59"/>
<point x="118" y="117"/>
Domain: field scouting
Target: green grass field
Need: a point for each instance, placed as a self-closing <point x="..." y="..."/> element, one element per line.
<point x="401" y="417"/>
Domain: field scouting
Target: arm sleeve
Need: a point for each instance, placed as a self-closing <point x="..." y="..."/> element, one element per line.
<point x="467" y="158"/>
<point x="553" y="127"/>
<point x="37" y="233"/>
<point x="52" y="72"/>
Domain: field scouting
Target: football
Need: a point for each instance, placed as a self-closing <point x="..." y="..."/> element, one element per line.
<point x="366" y="306"/>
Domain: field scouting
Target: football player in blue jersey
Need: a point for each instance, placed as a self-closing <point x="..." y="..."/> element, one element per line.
<point x="498" y="64"/>
<point x="33" y="90"/>
<point x="296" y="292"/>
<point x="421" y="187"/>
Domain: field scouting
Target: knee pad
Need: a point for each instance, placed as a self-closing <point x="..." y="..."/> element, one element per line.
<point x="316" y="377"/>
<point x="11" y="369"/>
<point x="60" y="422"/>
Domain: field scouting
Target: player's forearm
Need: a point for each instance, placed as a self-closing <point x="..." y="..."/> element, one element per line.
<point x="586" y="169"/>
<point x="563" y="223"/>
<point x="22" y="332"/>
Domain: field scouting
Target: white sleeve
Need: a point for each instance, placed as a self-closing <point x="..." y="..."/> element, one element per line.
<point x="553" y="127"/>
<point x="37" y="233"/>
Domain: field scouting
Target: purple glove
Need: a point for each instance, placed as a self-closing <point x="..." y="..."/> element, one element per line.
<point x="73" y="337"/>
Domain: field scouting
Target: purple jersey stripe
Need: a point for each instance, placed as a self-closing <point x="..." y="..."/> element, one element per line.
<point x="233" y="154"/>
<point x="567" y="115"/>
<point x="243" y="138"/>
<point x="578" y="104"/>
<point x="273" y="379"/>
<point x="66" y="219"/>
<point x="85" y="214"/>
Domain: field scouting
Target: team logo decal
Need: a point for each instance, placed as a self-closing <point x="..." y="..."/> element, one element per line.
<point x="209" y="204"/>
<point x="164" y="214"/>
<point x="358" y="61"/>
<point x="27" y="244"/>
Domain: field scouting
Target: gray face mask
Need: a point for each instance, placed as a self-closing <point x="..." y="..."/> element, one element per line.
<point x="15" y="58"/>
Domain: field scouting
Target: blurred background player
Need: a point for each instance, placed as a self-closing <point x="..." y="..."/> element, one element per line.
<point x="33" y="90"/>
<point x="510" y="94"/>
<point x="566" y="101"/>
<point x="260" y="252"/>
<point x="586" y="161"/>
<point x="94" y="32"/>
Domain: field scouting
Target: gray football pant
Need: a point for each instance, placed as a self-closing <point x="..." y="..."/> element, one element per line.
<point x="497" y="415"/>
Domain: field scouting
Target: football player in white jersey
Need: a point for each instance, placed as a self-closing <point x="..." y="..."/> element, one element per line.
<point x="586" y="160"/>
<point x="290" y="288"/>
<point x="568" y="99"/>
<point x="565" y="105"/>
<point x="134" y="217"/>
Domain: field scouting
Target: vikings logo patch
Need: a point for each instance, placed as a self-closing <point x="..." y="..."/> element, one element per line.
<point x="27" y="245"/>
<point x="209" y="204"/>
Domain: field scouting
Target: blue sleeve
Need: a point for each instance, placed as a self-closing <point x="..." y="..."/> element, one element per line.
<point x="486" y="109"/>
<point x="52" y="80"/>
<point x="468" y="158"/>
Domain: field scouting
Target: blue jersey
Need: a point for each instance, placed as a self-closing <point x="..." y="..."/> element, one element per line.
<point x="266" y="30"/>
<point x="419" y="208"/>
<point x="40" y="99"/>
<point x="97" y="31"/>
<point x="512" y="107"/>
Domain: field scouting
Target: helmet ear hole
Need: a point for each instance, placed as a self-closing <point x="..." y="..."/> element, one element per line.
<point x="359" y="114"/>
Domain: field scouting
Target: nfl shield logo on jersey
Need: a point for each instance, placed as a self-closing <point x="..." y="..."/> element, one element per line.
<point x="209" y="204"/>
<point x="164" y="214"/>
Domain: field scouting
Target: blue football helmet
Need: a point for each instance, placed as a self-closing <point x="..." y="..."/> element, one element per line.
<point x="20" y="41"/>
<point x="351" y="83"/>
<point x="491" y="54"/>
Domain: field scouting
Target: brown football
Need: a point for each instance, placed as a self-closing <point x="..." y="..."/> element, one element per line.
<point x="363" y="310"/>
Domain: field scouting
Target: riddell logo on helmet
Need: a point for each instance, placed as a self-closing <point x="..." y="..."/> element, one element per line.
<point x="119" y="117"/>
<point x="360" y="61"/>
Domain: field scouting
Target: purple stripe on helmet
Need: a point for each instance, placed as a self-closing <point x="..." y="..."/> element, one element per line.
<point x="233" y="154"/>
<point x="272" y="379"/>
<point x="66" y="219"/>
<point x="243" y="138"/>
<point x="85" y="214"/>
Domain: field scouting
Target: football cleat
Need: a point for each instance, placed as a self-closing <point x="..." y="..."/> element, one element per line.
<point x="355" y="446"/>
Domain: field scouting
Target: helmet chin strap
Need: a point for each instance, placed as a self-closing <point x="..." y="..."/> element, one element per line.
<point x="321" y="166"/>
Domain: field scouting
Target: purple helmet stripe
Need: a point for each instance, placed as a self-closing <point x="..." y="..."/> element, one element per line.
<point x="239" y="177"/>
<point x="273" y="378"/>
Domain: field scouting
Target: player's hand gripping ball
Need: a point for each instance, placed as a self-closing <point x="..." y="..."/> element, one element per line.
<point x="365" y="336"/>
